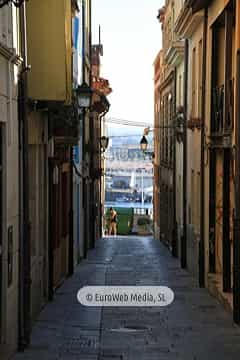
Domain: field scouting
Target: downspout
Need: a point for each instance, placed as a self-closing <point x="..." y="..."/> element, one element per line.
<point x="83" y="114"/>
<point x="184" y="236"/>
<point x="71" y="214"/>
<point x="91" y="125"/>
<point x="236" y="241"/>
<point x="71" y="223"/>
<point x="25" y="243"/>
<point x="174" y="234"/>
<point x="92" y="136"/>
<point x="92" y="182"/>
<point x="83" y="41"/>
<point x="202" y="191"/>
<point x="50" y="228"/>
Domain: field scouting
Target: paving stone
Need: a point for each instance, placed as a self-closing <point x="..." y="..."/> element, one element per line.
<point x="194" y="327"/>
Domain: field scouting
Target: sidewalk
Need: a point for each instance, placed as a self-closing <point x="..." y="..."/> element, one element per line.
<point x="194" y="327"/>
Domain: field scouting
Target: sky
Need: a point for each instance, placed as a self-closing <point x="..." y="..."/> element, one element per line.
<point x="131" y="38"/>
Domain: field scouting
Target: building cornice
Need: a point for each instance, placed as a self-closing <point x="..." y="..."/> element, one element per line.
<point x="10" y="55"/>
<point x="188" y="21"/>
<point x="198" y="5"/>
<point x="175" y="53"/>
<point x="167" y="80"/>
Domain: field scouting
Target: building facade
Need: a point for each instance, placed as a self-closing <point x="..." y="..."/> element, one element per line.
<point x="206" y="166"/>
<point x="10" y="67"/>
<point x="157" y="104"/>
<point x="171" y="59"/>
<point x="220" y="124"/>
<point x="190" y="26"/>
<point x="100" y="108"/>
<point x="49" y="200"/>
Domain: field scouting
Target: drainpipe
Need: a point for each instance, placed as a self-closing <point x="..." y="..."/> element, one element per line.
<point x="92" y="183"/>
<point x="50" y="230"/>
<point x="236" y="241"/>
<point x="71" y="244"/>
<point x="91" y="226"/>
<point x="201" y="259"/>
<point x="184" y="236"/>
<point x="174" y="233"/>
<point x="85" y="245"/>
<point x="25" y="241"/>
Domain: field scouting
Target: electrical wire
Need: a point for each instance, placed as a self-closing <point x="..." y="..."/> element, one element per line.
<point x="127" y="122"/>
<point x="138" y="124"/>
<point x="125" y="136"/>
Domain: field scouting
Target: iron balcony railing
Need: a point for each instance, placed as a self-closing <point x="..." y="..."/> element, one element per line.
<point x="219" y="125"/>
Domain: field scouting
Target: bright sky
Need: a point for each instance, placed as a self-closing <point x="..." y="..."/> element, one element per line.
<point x="131" y="38"/>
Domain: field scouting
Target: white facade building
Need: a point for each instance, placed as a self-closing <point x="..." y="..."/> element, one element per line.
<point x="9" y="178"/>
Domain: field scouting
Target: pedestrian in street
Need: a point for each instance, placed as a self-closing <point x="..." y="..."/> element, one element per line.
<point x="113" y="222"/>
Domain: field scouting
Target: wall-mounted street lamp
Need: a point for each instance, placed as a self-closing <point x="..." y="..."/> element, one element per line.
<point x="84" y="93"/>
<point x="178" y="125"/>
<point x="104" y="141"/>
<point x="144" y="144"/>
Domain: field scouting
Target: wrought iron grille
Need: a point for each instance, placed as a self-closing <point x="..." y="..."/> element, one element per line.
<point x="218" y="110"/>
<point x="219" y="125"/>
<point x="230" y="112"/>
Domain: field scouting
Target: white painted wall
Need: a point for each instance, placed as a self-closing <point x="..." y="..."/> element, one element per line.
<point x="10" y="205"/>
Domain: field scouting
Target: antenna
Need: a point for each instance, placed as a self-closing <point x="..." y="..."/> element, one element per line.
<point x="99" y="34"/>
<point x="100" y="41"/>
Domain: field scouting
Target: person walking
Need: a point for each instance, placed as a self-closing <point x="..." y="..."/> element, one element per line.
<point x="113" y="222"/>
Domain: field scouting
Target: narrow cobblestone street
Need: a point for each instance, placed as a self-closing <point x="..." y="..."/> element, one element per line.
<point x="194" y="327"/>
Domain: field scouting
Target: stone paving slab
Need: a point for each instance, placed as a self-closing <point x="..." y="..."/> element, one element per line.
<point x="194" y="327"/>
